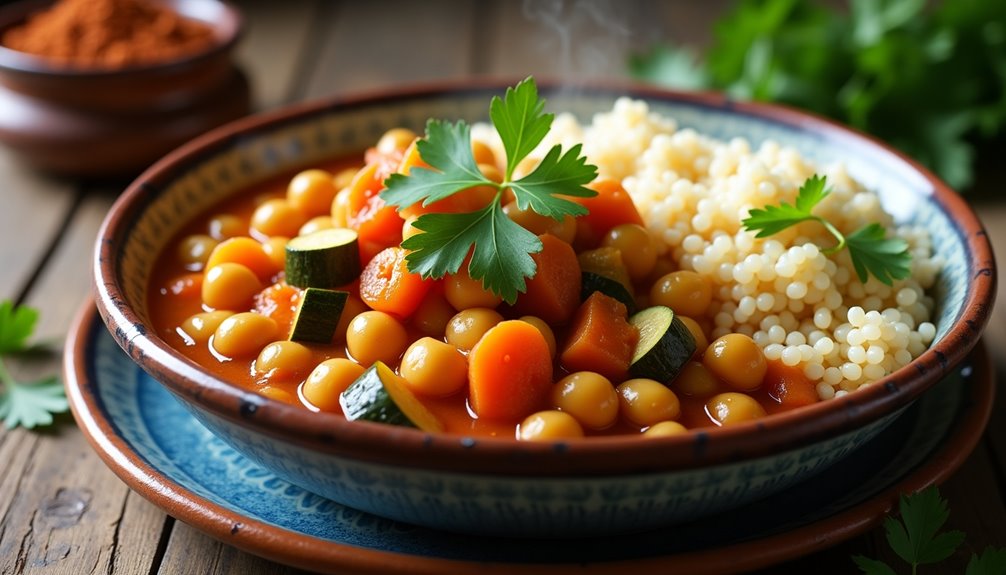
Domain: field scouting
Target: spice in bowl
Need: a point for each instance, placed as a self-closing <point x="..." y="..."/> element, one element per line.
<point x="109" y="34"/>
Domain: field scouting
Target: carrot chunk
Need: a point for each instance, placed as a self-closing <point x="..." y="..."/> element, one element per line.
<point x="789" y="386"/>
<point x="611" y="206"/>
<point x="387" y="285"/>
<point x="553" y="294"/>
<point x="601" y="340"/>
<point x="509" y="372"/>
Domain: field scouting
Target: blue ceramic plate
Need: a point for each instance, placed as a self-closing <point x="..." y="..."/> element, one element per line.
<point x="155" y="445"/>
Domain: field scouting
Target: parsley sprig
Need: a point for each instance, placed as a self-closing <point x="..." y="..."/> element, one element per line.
<point x="501" y="257"/>
<point x="871" y="251"/>
<point x="27" y="404"/>
<point x="917" y="539"/>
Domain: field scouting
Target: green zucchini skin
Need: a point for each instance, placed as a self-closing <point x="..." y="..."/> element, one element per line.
<point x="318" y="315"/>
<point x="665" y="344"/>
<point x="592" y="282"/>
<point x="366" y="399"/>
<point x="324" y="259"/>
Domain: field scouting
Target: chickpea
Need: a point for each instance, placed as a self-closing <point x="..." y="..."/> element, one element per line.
<point x="636" y="245"/>
<point x="482" y="153"/>
<point x="538" y="224"/>
<point x="340" y="209"/>
<point x="194" y="251"/>
<point x="328" y="380"/>
<point x="545" y="330"/>
<point x="737" y="360"/>
<point x="694" y="380"/>
<point x="466" y="328"/>
<point x="463" y="292"/>
<point x="548" y="425"/>
<point x="283" y="361"/>
<point x="587" y="396"/>
<point x="731" y="408"/>
<point x="277" y="218"/>
<point x="244" y="334"/>
<point x="685" y="292"/>
<point x="434" y="368"/>
<point x="354" y="307"/>
<point x="433" y="314"/>
<point x="275" y="248"/>
<point x="376" y="336"/>
<point x="316" y="224"/>
<point x="277" y="393"/>
<point x="665" y="429"/>
<point x="395" y="139"/>
<point x="202" y="325"/>
<point x="647" y="402"/>
<point x="227" y="226"/>
<point x="491" y="172"/>
<point x="701" y="341"/>
<point x="311" y="192"/>
<point x="344" y="177"/>
<point x="230" y="286"/>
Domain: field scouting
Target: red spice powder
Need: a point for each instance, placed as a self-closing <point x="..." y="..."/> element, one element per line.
<point x="108" y="34"/>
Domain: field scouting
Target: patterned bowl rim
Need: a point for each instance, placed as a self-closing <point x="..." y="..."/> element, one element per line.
<point x="406" y="447"/>
<point x="305" y="551"/>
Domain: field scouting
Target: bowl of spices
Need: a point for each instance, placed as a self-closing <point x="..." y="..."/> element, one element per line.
<point x="102" y="88"/>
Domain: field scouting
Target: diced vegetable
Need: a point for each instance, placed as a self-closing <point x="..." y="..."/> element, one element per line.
<point x="509" y="372"/>
<point x="601" y="340"/>
<point x="592" y="282"/>
<point x="378" y="224"/>
<point x="665" y="344"/>
<point x="381" y="395"/>
<point x="607" y="262"/>
<point x="318" y="315"/>
<point x="325" y="259"/>
<point x="386" y="284"/>
<point x="789" y="385"/>
<point x="553" y="294"/>
<point x="610" y="207"/>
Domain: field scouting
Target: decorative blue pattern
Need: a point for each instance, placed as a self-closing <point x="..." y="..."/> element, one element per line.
<point x="159" y="430"/>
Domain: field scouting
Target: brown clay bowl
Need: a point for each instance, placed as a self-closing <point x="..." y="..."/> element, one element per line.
<point x="501" y="486"/>
<point x="114" y="122"/>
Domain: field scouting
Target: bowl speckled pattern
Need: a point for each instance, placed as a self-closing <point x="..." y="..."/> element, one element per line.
<point x="154" y="444"/>
<point x="500" y="486"/>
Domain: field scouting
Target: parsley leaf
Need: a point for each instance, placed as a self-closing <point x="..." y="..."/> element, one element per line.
<point x="990" y="562"/>
<point x="915" y="538"/>
<point x="24" y="404"/>
<point x="500" y="248"/>
<point x="872" y="566"/>
<point x="869" y="248"/>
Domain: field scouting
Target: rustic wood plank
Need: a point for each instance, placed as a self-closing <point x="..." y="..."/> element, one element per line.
<point x="379" y="44"/>
<point x="213" y="557"/>
<point x="34" y="209"/>
<point x="275" y="41"/>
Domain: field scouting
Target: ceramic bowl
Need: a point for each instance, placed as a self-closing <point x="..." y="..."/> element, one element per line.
<point x="113" y="122"/>
<point x="501" y="486"/>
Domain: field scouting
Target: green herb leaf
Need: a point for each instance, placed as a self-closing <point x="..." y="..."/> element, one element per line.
<point x="32" y="404"/>
<point x="871" y="251"/>
<point x="872" y="566"/>
<point x="500" y="248"/>
<point x="915" y="537"/>
<point x="500" y="257"/>
<point x="520" y="121"/>
<point x="990" y="562"/>
<point x="16" y="326"/>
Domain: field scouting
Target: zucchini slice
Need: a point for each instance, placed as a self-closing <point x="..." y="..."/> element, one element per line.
<point x="592" y="282"/>
<point x="664" y="346"/>
<point x="325" y="259"/>
<point x="318" y="315"/>
<point x="381" y="395"/>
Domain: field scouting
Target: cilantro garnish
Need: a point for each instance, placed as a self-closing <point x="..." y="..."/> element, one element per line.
<point x="871" y="251"/>
<point x="501" y="255"/>
<point x="916" y="538"/>
<point x="27" y="404"/>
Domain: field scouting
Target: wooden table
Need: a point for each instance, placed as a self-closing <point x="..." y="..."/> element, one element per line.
<point x="63" y="511"/>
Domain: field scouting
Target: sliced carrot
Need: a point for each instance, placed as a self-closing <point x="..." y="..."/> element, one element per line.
<point x="601" y="339"/>
<point x="553" y="294"/>
<point x="411" y="158"/>
<point x="387" y="285"/>
<point x="788" y="385"/>
<point x="279" y="302"/>
<point x="611" y="206"/>
<point x="378" y="225"/>
<point x="247" y="252"/>
<point x="509" y="372"/>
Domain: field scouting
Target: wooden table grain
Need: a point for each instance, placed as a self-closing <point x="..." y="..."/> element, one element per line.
<point x="63" y="512"/>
